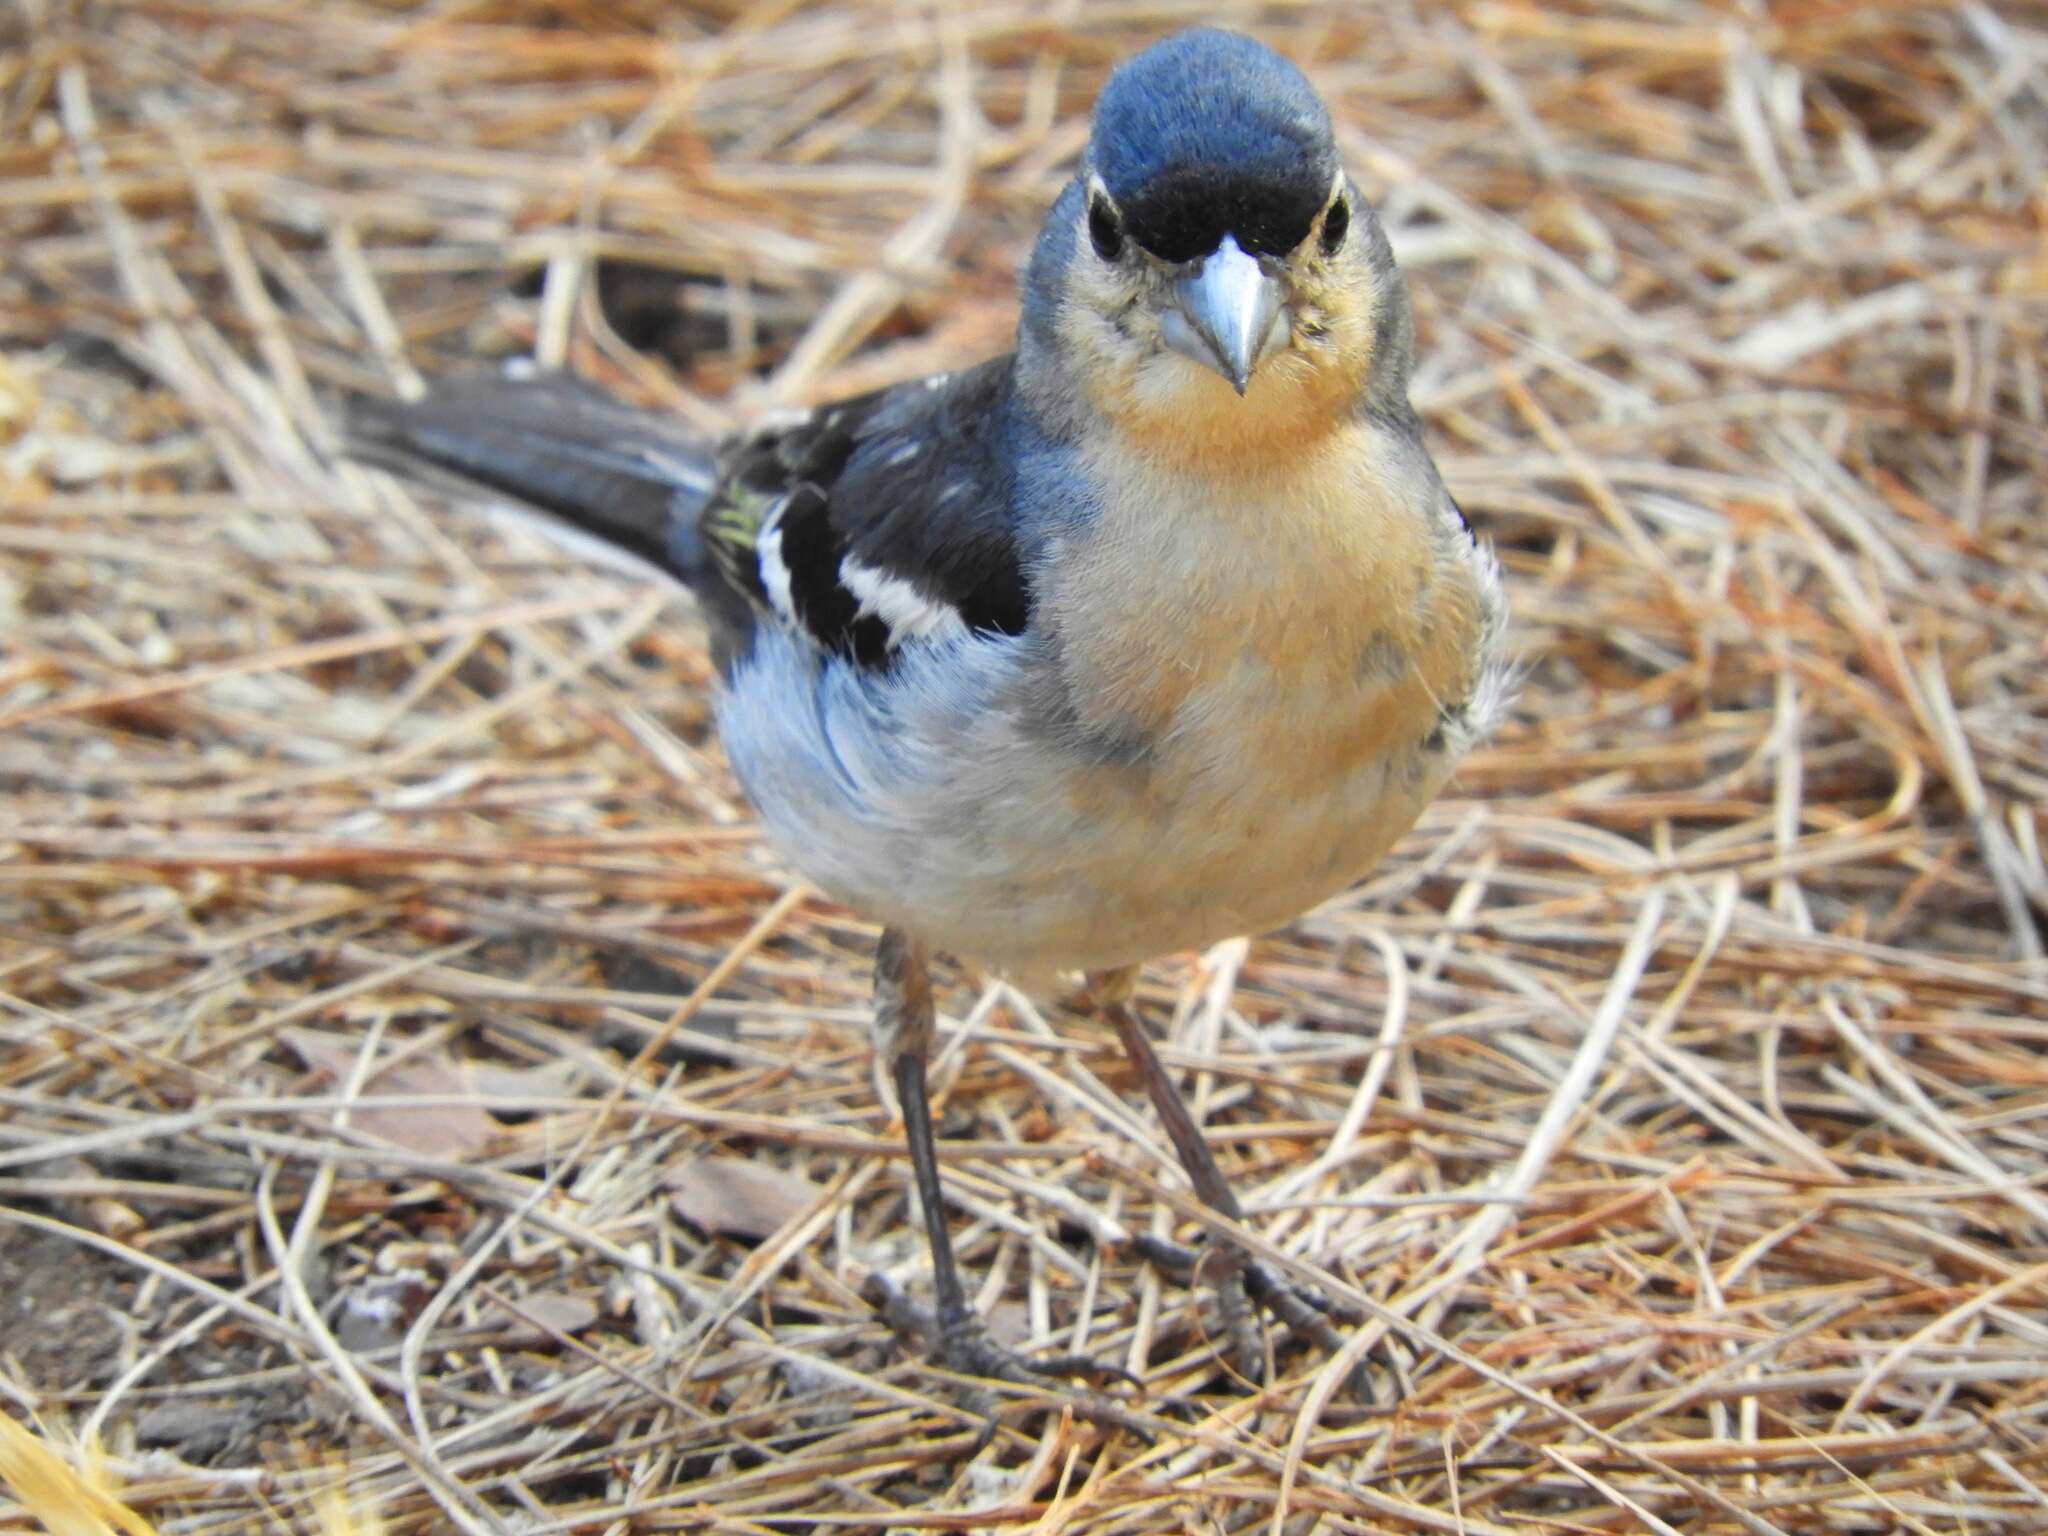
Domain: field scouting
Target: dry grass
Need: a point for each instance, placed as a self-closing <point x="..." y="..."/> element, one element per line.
<point x="1676" y="1097"/>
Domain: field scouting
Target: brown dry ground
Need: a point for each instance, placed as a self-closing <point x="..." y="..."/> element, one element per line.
<point x="415" y="1071"/>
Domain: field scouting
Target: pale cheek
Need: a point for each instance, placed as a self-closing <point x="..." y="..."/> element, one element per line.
<point x="1111" y="366"/>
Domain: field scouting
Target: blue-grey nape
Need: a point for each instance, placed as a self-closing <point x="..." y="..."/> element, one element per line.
<point x="1207" y="134"/>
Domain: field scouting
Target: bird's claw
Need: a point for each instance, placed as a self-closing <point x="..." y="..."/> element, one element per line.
<point x="963" y="1345"/>
<point x="966" y="1347"/>
<point x="1245" y="1282"/>
<point x="1308" y="1314"/>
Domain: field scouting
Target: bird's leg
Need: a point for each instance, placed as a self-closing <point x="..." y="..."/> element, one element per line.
<point x="1238" y="1275"/>
<point x="905" y="1023"/>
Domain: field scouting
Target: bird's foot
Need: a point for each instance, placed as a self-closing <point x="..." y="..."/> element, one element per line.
<point x="963" y="1345"/>
<point x="1245" y="1284"/>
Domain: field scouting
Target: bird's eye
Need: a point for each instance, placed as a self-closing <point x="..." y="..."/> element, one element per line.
<point x="1336" y="225"/>
<point x="1104" y="231"/>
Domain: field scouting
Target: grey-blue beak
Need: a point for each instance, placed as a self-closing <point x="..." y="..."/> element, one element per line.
<point x="1228" y="316"/>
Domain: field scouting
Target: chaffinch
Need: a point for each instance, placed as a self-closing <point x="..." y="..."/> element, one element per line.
<point x="1158" y="630"/>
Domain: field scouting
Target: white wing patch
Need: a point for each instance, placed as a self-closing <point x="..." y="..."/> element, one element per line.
<point x="909" y="614"/>
<point x="775" y="577"/>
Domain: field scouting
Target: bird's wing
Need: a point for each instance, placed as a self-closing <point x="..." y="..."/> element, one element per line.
<point x="879" y="520"/>
<point x="861" y="525"/>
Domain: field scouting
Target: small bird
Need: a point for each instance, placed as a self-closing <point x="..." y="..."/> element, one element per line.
<point x="1159" y="630"/>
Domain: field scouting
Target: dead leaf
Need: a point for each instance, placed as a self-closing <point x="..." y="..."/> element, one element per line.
<point x="544" y="1316"/>
<point x="447" y="1129"/>
<point x="734" y="1196"/>
<point x="516" y="1086"/>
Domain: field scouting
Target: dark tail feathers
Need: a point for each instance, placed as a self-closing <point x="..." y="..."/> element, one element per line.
<point x="633" y="480"/>
<point x="629" y="479"/>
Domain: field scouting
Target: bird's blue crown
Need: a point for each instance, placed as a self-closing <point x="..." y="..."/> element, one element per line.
<point x="1208" y="134"/>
